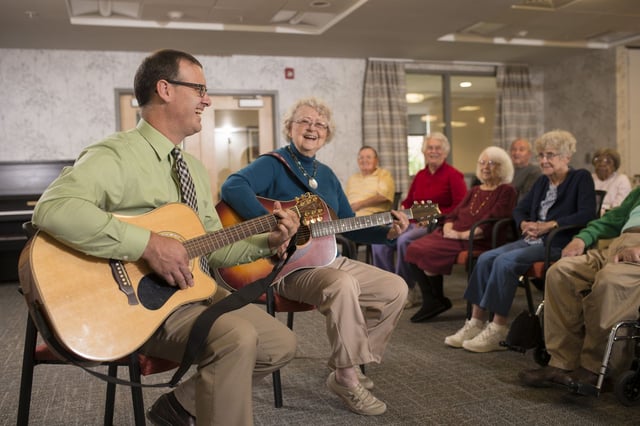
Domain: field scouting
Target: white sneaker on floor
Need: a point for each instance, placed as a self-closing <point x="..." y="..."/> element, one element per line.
<point x="365" y="381"/>
<point x="489" y="340"/>
<point x="414" y="298"/>
<point x="358" y="399"/>
<point x="470" y="330"/>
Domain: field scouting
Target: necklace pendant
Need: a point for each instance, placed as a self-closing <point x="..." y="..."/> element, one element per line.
<point x="313" y="183"/>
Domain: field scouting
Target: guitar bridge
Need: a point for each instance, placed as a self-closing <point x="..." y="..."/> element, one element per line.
<point x="124" y="284"/>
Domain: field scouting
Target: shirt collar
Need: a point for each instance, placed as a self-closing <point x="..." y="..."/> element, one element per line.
<point x="158" y="142"/>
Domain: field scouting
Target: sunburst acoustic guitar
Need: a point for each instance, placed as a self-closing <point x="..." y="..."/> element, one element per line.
<point x="315" y="243"/>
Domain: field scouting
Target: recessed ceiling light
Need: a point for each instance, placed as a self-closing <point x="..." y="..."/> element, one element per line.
<point x="175" y="14"/>
<point x="465" y="84"/>
<point x="429" y="118"/>
<point x="468" y="108"/>
<point x="414" y="98"/>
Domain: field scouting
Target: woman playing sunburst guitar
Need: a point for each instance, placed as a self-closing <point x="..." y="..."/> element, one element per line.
<point x="361" y="303"/>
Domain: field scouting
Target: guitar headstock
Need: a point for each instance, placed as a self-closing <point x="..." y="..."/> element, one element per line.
<point x="425" y="212"/>
<point x="310" y="208"/>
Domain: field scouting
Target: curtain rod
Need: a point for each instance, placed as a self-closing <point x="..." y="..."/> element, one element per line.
<point x="420" y="61"/>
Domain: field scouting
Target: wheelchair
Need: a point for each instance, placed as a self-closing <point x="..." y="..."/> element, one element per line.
<point x="626" y="387"/>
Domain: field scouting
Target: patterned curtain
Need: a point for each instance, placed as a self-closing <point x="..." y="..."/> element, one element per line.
<point x="515" y="106"/>
<point x="384" y="118"/>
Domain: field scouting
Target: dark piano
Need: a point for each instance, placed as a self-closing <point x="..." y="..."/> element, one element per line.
<point x="21" y="184"/>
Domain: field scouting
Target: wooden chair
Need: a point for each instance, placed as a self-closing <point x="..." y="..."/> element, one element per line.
<point x="41" y="354"/>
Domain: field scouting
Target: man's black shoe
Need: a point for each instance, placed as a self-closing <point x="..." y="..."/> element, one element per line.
<point x="431" y="308"/>
<point x="167" y="411"/>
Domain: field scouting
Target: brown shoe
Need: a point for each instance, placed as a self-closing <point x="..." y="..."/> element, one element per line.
<point x="545" y="377"/>
<point x="584" y="376"/>
<point x="167" y="411"/>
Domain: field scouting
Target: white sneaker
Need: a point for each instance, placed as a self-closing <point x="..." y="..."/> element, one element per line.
<point x="414" y="298"/>
<point x="365" y="381"/>
<point x="489" y="340"/>
<point x="358" y="399"/>
<point x="470" y="330"/>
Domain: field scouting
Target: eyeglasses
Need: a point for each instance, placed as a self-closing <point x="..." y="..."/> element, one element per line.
<point x="489" y="163"/>
<point x="547" y="155"/>
<point x="605" y="160"/>
<point x="318" y="125"/>
<point x="201" y="88"/>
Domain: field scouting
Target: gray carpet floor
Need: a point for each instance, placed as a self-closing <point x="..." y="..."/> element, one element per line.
<point x="423" y="381"/>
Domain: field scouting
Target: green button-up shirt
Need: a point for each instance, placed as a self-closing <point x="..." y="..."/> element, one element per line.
<point x="128" y="173"/>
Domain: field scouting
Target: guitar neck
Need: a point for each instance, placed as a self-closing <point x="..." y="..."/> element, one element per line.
<point x="322" y="229"/>
<point x="208" y="243"/>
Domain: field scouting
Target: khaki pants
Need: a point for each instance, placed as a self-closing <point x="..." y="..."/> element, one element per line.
<point x="361" y="303"/>
<point x="577" y="327"/>
<point x="242" y="345"/>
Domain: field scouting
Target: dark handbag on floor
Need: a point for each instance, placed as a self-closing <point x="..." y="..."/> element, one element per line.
<point x="525" y="333"/>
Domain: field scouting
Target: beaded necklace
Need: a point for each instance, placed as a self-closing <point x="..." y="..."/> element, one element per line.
<point x="482" y="204"/>
<point x="313" y="183"/>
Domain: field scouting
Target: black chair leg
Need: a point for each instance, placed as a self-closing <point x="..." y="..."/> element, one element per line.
<point x="277" y="388"/>
<point x="26" y="381"/>
<point x="527" y="290"/>
<point x="290" y="320"/>
<point x="136" y="391"/>
<point x="110" y="400"/>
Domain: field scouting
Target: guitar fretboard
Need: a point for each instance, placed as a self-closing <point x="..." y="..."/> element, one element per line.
<point x="322" y="229"/>
<point x="207" y="243"/>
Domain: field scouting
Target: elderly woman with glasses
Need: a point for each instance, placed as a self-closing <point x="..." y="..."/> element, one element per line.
<point x="561" y="196"/>
<point x="436" y="253"/>
<point x="606" y="162"/>
<point x="361" y="303"/>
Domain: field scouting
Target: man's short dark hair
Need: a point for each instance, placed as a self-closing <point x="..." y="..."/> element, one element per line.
<point x="162" y="64"/>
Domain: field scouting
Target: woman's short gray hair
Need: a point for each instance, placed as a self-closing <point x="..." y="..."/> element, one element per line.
<point x="500" y="156"/>
<point x="563" y="142"/>
<point x="320" y="107"/>
<point x="440" y="137"/>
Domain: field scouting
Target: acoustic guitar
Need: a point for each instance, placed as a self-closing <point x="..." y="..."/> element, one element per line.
<point x="315" y="243"/>
<point x="101" y="309"/>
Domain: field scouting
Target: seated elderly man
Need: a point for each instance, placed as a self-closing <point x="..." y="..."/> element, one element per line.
<point x="587" y="294"/>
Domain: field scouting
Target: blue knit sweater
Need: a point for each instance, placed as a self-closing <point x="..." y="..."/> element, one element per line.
<point x="269" y="178"/>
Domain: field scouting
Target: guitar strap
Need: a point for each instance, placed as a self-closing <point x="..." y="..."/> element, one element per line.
<point x="305" y="186"/>
<point x="197" y="335"/>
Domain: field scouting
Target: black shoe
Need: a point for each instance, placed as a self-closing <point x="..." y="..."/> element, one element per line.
<point x="431" y="308"/>
<point x="167" y="411"/>
<point x="545" y="377"/>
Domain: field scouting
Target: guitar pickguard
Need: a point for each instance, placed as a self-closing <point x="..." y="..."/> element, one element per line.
<point x="153" y="291"/>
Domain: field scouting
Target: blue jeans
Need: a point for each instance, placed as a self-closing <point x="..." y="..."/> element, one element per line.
<point x="494" y="280"/>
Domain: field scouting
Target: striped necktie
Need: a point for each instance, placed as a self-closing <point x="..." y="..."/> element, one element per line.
<point x="187" y="188"/>
<point x="187" y="192"/>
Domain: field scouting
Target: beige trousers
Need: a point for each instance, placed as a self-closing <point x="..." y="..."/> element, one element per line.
<point x="577" y="327"/>
<point x="361" y="303"/>
<point x="243" y="345"/>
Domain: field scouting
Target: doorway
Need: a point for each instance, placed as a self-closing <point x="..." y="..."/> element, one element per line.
<point x="235" y="130"/>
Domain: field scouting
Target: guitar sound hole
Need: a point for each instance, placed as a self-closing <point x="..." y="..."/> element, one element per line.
<point x="153" y="291"/>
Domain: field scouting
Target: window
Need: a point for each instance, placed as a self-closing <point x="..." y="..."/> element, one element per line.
<point x="460" y="106"/>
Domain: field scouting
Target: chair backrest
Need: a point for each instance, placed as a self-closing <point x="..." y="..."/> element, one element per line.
<point x="396" y="200"/>
<point x="599" y="199"/>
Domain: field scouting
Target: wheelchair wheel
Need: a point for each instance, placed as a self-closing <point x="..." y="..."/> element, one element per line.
<point x="627" y="388"/>
<point x="541" y="356"/>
